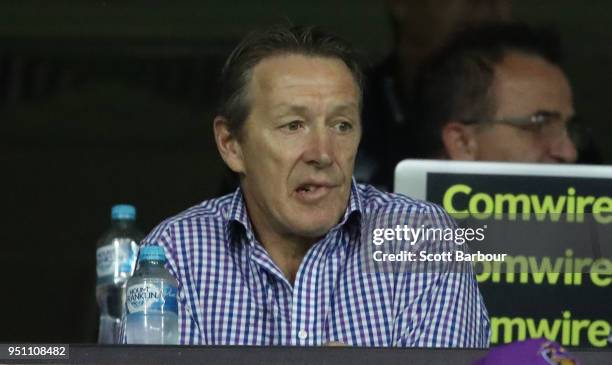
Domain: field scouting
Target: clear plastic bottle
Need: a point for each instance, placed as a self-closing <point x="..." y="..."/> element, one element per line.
<point x="151" y="301"/>
<point x="116" y="255"/>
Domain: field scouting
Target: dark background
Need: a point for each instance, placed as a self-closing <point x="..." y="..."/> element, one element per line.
<point x="112" y="101"/>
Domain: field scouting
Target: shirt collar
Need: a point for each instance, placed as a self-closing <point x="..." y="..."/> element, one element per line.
<point x="238" y="212"/>
<point x="354" y="204"/>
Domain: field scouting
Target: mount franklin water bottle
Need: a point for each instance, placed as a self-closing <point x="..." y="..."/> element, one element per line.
<point x="151" y="301"/>
<point x="116" y="255"/>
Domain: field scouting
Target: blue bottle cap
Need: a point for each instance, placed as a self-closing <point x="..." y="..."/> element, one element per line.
<point x="123" y="211"/>
<point x="152" y="253"/>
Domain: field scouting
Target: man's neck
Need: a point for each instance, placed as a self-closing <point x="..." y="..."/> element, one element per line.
<point x="287" y="254"/>
<point x="286" y="250"/>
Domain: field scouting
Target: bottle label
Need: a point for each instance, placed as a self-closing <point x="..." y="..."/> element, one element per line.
<point x="151" y="296"/>
<point x="116" y="260"/>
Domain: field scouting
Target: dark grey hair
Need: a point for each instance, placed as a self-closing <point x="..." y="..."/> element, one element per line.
<point x="278" y="40"/>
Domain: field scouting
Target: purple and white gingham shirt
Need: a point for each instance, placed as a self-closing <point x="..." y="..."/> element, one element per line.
<point x="232" y="293"/>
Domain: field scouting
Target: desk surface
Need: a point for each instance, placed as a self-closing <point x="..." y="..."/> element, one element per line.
<point x="152" y="355"/>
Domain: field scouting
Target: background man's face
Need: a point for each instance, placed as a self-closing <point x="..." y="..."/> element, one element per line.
<point x="525" y="85"/>
<point x="299" y="144"/>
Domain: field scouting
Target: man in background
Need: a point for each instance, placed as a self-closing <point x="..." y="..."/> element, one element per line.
<point x="390" y="119"/>
<point x="498" y="93"/>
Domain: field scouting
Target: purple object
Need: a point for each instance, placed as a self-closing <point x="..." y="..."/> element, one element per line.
<point x="529" y="352"/>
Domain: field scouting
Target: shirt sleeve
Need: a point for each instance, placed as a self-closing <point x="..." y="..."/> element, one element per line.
<point x="450" y="313"/>
<point x="443" y="306"/>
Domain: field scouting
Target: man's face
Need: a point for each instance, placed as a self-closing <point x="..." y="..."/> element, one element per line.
<point x="523" y="86"/>
<point x="298" y="145"/>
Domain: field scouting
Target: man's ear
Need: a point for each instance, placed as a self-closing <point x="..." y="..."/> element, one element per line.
<point x="460" y="142"/>
<point x="228" y="145"/>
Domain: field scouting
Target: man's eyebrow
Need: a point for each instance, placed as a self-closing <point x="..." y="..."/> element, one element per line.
<point x="555" y="114"/>
<point x="345" y="108"/>
<point x="546" y="112"/>
<point x="284" y="108"/>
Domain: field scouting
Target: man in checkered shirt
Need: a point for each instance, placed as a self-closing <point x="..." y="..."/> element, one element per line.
<point x="286" y="259"/>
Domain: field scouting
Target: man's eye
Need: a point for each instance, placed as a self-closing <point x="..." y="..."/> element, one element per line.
<point x="294" y="126"/>
<point x="344" y="127"/>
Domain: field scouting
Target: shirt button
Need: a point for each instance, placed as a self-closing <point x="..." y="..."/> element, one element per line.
<point x="303" y="335"/>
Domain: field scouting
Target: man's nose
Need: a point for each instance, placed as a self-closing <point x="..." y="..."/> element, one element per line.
<point x="319" y="148"/>
<point x="564" y="149"/>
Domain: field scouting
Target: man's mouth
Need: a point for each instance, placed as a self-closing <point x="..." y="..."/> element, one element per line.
<point x="307" y="188"/>
<point x="312" y="192"/>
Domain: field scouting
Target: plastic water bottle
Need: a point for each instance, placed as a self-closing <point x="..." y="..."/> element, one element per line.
<point x="116" y="256"/>
<point x="151" y="301"/>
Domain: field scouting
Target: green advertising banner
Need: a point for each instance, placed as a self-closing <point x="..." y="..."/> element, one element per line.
<point x="556" y="278"/>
